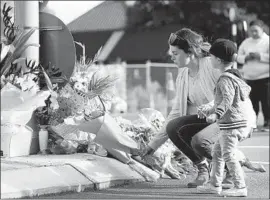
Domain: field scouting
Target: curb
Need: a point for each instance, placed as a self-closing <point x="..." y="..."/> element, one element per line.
<point x="113" y="183"/>
<point x="61" y="189"/>
<point x="38" y="181"/>
<point x="44" y="191"/>
<point x="49" y="180"/>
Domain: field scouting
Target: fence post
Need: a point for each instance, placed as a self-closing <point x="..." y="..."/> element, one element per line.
<point x="148" y="84"/>
<point x="170" y="91"/>
<point x="124" y="68"/>
<point x="234" y="35"/>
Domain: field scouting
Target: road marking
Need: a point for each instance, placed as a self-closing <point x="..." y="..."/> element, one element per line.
<point x="259" y="162"/>
<point x="256" y="147"/>
<point x="147" y="196"/>
<point x="253" y="147"/>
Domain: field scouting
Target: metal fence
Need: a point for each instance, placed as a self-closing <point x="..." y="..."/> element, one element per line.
<point x="145" y="85"/>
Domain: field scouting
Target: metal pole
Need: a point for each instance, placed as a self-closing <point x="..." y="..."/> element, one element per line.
<point x="234" y="36"/>
<point x="27" y="15"/>
<point x="245" y="28"/>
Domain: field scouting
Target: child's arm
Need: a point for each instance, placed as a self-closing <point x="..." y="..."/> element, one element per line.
<point x="227" y="91"/>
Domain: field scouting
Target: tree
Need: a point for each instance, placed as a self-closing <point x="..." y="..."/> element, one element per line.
<point x="210" y="18"/>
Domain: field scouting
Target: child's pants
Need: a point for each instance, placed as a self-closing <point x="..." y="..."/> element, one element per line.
<point x="224" y="150"/>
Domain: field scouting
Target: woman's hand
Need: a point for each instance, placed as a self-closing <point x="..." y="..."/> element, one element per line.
<point x="201" y="114"/>
<point x="204" y="111"/>
<point x="146" y="151"/>
<point x="212" y="118"/>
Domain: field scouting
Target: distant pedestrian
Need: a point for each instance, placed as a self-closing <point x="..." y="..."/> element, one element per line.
<point x="231" y="110"/>
<point x="253" y="53"/>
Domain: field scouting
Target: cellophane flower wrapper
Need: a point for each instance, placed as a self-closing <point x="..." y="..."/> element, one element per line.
<point x="18" y="106"/>
<point x="143" y="129"/>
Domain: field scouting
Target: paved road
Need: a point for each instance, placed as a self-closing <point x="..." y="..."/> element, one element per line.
<point x="255" y="148"/>
<point x="258" y="187"/>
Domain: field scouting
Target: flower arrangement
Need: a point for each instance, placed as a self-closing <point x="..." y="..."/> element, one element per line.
<point x="85" y="95"/>
<point x="25" y="80"/>
<point x="82" y="98"/>
<point x="143" y="129"/>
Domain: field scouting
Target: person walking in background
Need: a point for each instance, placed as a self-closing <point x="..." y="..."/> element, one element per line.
<point x="253" y="53"/>
<point x="231" y="111"/>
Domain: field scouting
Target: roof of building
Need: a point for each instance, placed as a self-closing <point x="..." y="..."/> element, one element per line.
<point x="94" y="28"/>
<point x="136" y="46"/>
<point x="92" y="41"/>
<point x="142" y="45"/>
<point x="109" y="15"/>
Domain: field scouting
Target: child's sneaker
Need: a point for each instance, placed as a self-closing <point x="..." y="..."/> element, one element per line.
<point x="227" y="183"/>
<point x="235" y="192"/>
<point x="208" y="188"/>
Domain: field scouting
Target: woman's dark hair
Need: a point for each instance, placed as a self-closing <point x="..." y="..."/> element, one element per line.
<point x="190" y="42"/>
<point x="257" y="22"/>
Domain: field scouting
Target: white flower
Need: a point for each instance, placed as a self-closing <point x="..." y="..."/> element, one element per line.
<point x="54" y="103"/>
<point x="27" y="84"/>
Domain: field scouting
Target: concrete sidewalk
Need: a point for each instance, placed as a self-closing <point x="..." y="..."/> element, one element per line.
<point x="36" y="175"/>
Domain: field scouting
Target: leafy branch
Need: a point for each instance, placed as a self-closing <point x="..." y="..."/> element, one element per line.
<point x="9" y="30"/>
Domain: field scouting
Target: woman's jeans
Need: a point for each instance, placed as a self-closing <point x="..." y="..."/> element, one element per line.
<point x="193" y="136"/>
<point x="224" y="152"/>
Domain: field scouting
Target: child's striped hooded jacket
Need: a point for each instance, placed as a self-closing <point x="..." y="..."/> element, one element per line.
<point x="232" y="103"/>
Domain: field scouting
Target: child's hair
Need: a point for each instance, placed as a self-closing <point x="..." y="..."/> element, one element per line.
<point x="257" y="22"/>
<point x="190" y="42"/>
<point x="225" y="50"/>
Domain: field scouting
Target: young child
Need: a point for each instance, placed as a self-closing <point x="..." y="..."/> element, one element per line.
<point x="231" y="111"/>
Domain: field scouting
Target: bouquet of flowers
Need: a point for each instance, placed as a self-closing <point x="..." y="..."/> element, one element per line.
<point x="20" y="89"/>
<point x="85" y="94"/>
<point x="82" y="99"/>
<point x="167" y="157"/>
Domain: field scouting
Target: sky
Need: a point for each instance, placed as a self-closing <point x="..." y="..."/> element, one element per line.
<point x="67" y="11"/>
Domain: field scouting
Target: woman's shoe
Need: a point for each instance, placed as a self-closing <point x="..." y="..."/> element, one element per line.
<point x="203" y="175"/>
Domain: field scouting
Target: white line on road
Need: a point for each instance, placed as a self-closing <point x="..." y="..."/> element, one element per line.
<point x="259" y="162"/>
<point x="256" y="147"/>
<point x="253" y="147"/>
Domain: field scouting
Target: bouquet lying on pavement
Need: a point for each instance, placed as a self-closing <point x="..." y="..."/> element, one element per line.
<point x="166" y="159"/>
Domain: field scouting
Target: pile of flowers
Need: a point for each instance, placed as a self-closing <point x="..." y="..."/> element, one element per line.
<point x="84" y="97"/>
<point x="85" y="94"/>
<point x="143" y="129"/>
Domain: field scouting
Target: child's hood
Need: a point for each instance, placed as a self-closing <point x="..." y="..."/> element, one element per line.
<point x="244" y="88"/>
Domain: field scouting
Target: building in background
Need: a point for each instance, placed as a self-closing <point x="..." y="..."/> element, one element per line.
<point x="108" y="24"/>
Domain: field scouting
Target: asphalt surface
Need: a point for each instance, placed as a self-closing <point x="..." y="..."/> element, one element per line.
<point x="258" y="187"/>
<point x="255" y="148"/>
